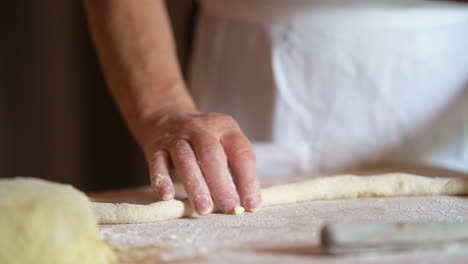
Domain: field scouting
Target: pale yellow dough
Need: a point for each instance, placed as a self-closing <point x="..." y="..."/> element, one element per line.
<point x="48" y="223"/>
<point x="324" y="188"/>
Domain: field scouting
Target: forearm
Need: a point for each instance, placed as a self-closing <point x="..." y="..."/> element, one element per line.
<point x="136" y="50"/>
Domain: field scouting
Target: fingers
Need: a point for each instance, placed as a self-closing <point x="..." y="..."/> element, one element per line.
<point x="213" y="164"/>
<point x="205" y="149"/>
<point x="186" y="165"/>
<point x="159" y="175"/>
<point x="241" y="159"/>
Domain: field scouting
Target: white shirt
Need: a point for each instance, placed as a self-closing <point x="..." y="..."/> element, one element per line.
<point x="329" y="85"/>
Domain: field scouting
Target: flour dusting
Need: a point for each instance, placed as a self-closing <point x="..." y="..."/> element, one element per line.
<point x="285" y="233"/>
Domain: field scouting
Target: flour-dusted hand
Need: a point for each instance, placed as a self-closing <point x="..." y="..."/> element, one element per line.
<point x="210" y="154"/>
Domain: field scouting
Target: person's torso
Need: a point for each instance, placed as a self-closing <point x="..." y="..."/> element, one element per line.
<point x="329" y="86"/>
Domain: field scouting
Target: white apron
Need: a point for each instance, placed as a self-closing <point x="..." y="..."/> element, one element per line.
<point x="328" y="85"/>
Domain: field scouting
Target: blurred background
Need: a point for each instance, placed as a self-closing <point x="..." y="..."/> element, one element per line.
<point x="59" y="122"/>
<point x="57" y="118"/>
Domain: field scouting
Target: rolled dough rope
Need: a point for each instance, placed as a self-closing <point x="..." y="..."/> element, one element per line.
<point x="325" y="188"/>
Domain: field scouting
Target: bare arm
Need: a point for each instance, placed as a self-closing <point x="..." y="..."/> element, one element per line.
<point x="135" y="46"/>
<point x="136" y="50"/>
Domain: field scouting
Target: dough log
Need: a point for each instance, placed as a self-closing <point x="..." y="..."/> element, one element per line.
<point x="324" y="188"/>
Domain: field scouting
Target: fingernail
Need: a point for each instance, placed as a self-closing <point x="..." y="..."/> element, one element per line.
<point x="167" y="197"/>
<point x="204" y="205"/>
<point x="252" y="202"/>
<point x="167" y="193"/>
<point x="228" y="205"/>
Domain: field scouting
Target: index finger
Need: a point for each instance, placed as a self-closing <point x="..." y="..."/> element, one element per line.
<point x="186" y="166"/>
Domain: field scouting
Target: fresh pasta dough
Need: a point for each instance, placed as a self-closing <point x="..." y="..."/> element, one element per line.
<point x="323" y="188"/>
<point x="48" y="223"/>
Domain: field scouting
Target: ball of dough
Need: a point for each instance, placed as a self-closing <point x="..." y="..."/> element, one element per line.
<point x="45" y="222"/>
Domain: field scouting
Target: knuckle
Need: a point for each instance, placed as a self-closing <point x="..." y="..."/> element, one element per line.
<point x="195" y="187"/>
<point x="223" y="188"/>
<point x="182" y="147"/>
<point x="183" y="151"/>
<point x="158" y="164"/>
<point x="157" y="157"/>
<point x="252" y="187"/>
<point x="210" y="152"/>
<point x="191" y="124"/>
<point x="159" y="178"/>
<point x="158" y="174"/>
<point x="226" y="119"/>
<point x="186" y="162"/>
<point x="207" y="122"/>
<point x="243" y="154"/>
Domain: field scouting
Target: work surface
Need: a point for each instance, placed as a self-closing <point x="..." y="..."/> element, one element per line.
<point x="283" y="234"/>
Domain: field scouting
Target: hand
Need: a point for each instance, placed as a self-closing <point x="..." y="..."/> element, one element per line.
<point x="145" y="80"/>
<point x="211" y="155"/>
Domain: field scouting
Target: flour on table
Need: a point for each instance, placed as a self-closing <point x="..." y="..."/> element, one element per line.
<point x="290" y="233"/>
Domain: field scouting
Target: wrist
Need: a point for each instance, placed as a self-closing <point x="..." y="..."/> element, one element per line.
<point x="145" y="104"/>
